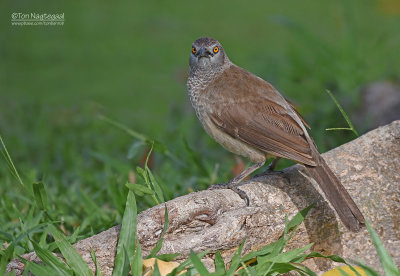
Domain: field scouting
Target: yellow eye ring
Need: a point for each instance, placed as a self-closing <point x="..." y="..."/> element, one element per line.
<point x="193" y="50"/>
<point x="216" y="49"/>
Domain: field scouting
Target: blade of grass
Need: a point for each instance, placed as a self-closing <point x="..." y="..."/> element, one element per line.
<point x="184" y="264"/>
<point x="5" y="236"/>
<point x="156" y="271"/>
<point x="219" y="263"/>
<point x="139" y="188"/>
<point x="280" y="244"/>
<point x="30" y="230"/>
<point x="7" y="256"/>
<point x="93" y="255"/>
<point x="40" y="195"/>
<point x="126" y="267"/>
<point x="352" y="128"/>
<point x="274" y="268"/>
<point x="289" y="255"/>
<point x="245" y="268"/>
<point x="158" y="246"/>
<point x="334" y="258"/>
<point x="354" y="270"/>
<point x="307" y="271"/>
<point x="262" y="252"/>
<point x="151" y="179"/>
<point x="39" y="270"/>
<point x="291" y="225"/>
<point x="298" y="218"/>
<point x="151" y="183"/>
<point x="43" y="237"/>
<point x="282" y="268"/>
<point x="131" y="132"/>
<point x="168" y="257"/>
<point x="196" y="261"/>
<point x="137" y="266"/>
<point x="236" y="260"/>
<point x="276" y="249"/>
<point x="339" y="128"/>
<point x="73" y="259"/>
<point x="127" y="235"/>
<point x="145" y="175"/>
<point x="160" y="147"/>
<point x="250" y="271"/>
<point x="386" y="260"/>
<point x="154" y="184"/>
<point x="9" y="161"/>
<point x="49" y="259"/>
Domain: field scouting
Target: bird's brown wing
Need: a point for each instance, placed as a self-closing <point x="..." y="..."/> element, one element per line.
<point x="298" y="114"/>
<point x="262" y="119"/>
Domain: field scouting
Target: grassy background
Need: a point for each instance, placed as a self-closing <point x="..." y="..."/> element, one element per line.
<point x="129" y="61"/>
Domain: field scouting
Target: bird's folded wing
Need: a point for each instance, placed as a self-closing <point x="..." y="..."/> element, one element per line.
<point x="266" y="126"/>
<point x="298" y="114"/>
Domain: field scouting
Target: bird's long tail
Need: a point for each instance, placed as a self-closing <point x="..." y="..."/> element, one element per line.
<point x="337" y="195"/>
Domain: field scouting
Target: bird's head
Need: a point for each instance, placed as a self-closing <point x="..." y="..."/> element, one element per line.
<point x="206" y="53"/>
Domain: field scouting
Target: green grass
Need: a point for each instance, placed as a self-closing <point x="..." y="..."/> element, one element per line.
<point x="127" y="63"/>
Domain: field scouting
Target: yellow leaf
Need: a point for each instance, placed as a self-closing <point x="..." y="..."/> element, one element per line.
<point x="164" y="267"/>
<point x="336" y="272"/>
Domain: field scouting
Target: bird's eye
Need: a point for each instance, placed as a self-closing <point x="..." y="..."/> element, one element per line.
<point x="216" y="49"/>
<point x="193" y="50"/>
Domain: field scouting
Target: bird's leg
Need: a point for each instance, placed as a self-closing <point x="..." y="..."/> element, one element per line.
<point x="271" y="167"/>
<point x="234" y="183"/>
<point x="239" y="178"/>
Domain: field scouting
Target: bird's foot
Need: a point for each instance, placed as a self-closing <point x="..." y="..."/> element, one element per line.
<point x="232" y="185"/>
<point x="235" y="183"/>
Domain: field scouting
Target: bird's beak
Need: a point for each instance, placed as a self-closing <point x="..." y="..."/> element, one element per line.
<point x="202" y="52"/>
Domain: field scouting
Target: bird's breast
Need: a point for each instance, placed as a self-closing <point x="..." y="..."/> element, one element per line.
<point x="204" y="96"/>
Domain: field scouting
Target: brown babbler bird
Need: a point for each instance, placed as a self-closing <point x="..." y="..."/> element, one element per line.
<point x="249" y="117"/>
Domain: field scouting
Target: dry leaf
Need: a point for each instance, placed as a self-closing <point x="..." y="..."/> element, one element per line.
<point x="336" y="272"/>
<point x="164" y="267"/>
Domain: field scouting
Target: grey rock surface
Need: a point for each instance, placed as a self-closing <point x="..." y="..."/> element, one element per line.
<point x="369" y="167"/>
